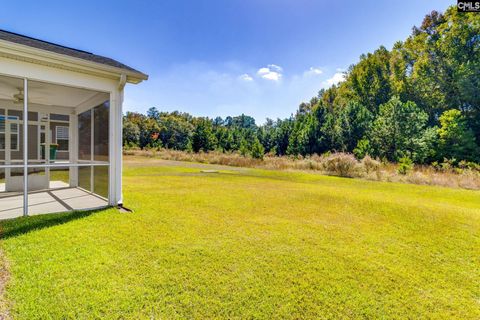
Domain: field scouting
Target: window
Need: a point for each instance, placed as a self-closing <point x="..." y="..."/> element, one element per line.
<point x="14" y="134"/>
<point x="59" y="117"/>
<point x="62" y="138"/>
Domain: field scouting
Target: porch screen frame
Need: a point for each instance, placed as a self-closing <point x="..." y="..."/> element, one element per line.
<point x="70" y="164"/>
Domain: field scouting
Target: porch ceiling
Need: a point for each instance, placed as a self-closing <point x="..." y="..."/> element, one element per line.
<point x="45" y="93"/>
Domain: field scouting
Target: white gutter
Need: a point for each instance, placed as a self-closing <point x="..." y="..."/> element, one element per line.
<point x="30" y="54"/>
<point x="122" y="81"/>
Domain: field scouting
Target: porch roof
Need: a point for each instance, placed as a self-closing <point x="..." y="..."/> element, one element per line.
<point x="70" y="52"/>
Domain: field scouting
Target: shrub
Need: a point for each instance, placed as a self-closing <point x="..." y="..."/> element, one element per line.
<point x="340" y="164"/>
<point x="369" y="164"/>
<point x="447" y="165"/>
<point x="468" y="165"/>
<point x="243" y="148"/>
<point x="257" y="150"/>
<point x="363" y="149"/>
<point x="405" y="165"/>
<point x="456" y="139"/>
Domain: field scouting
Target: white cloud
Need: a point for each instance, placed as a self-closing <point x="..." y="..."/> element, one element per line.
<point x="313" y="72"/>
<point x="246" y="77"/>
<point x="263" y="70"/>
<point x="275" y="67"/>
<point x="271" y="72"/>
<point x="337" y="77"/>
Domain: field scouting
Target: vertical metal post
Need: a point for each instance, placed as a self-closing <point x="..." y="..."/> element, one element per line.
<point x="25" y="147"/>
<point x="92" y="149"/>
<point x="48" y="142"/>
<point x="8" y="145"/>
<point x="73" y="149"/>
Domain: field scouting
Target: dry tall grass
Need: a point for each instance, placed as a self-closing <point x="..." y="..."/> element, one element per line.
<point x="338" y="164"/>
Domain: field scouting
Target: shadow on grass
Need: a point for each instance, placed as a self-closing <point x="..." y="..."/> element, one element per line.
<point x="18" y="226"/>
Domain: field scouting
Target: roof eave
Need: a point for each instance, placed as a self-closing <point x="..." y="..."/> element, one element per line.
<point x="35" y="55"/>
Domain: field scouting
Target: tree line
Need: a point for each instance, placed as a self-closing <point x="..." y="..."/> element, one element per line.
<point x="420" y="100"/>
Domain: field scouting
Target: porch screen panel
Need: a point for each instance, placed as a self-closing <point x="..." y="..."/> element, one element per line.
<point x="11" y="192"/>
<point x="85" y="136"/>
<point x="101" y="148"/>
<point x="100" y="181"/>
<point x="101" y="131"/>
<point x="2" y="141"/>
<point x="2" y="179"/>
<point x="33" y="143"/>
<point x="11" y="147"/>
<point x="84" y="178"/>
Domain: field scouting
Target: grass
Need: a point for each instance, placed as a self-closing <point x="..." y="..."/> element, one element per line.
<point x="249" y="243"/>
<point x="466" y="178"/>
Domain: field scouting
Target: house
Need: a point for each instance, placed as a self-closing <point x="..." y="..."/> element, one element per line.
<point x="60" y="127"/>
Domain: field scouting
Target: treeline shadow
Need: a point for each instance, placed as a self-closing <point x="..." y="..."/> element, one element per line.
<point x="23" y="225"/>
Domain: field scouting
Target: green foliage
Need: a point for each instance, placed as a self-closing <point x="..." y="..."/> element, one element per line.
<point x="405" y="165"/>
<point x="257" y="150"/>
<point x="131" y="133"/>
<point x="242" y="121"/>
<point x="153" y="113"/>
<point x="456" y="140"/>
<point x="243" y="148"/>
<point x="369" y="80"/>
<point x="203" y="138"/>
<point x="149" y="131"/>
<point x="175" y="131"/>
<point x="400" y="130"/>
<point x="355" y="121"/>
<point x="363" y="149"/>
<point x="302" y="137"/>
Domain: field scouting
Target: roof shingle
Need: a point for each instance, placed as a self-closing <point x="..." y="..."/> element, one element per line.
<point x="56" y="48"/>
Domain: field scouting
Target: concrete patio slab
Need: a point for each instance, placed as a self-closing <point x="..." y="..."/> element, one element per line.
<point x="48" y="201"/>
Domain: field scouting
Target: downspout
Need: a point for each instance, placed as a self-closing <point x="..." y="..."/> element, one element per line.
<point x="121" y="86"/>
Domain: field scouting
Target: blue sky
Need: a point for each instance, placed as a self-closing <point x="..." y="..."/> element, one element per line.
<point x="223" y="57"/>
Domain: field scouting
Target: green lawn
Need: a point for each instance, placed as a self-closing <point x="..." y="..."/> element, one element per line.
<point x="246" y="243"/>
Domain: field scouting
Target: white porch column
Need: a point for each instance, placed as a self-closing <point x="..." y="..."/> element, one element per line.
<point x="116" y="102"/>
<point x="25" y="146"/>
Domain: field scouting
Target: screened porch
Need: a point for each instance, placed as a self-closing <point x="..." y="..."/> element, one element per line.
<point x="55" y="140"/>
